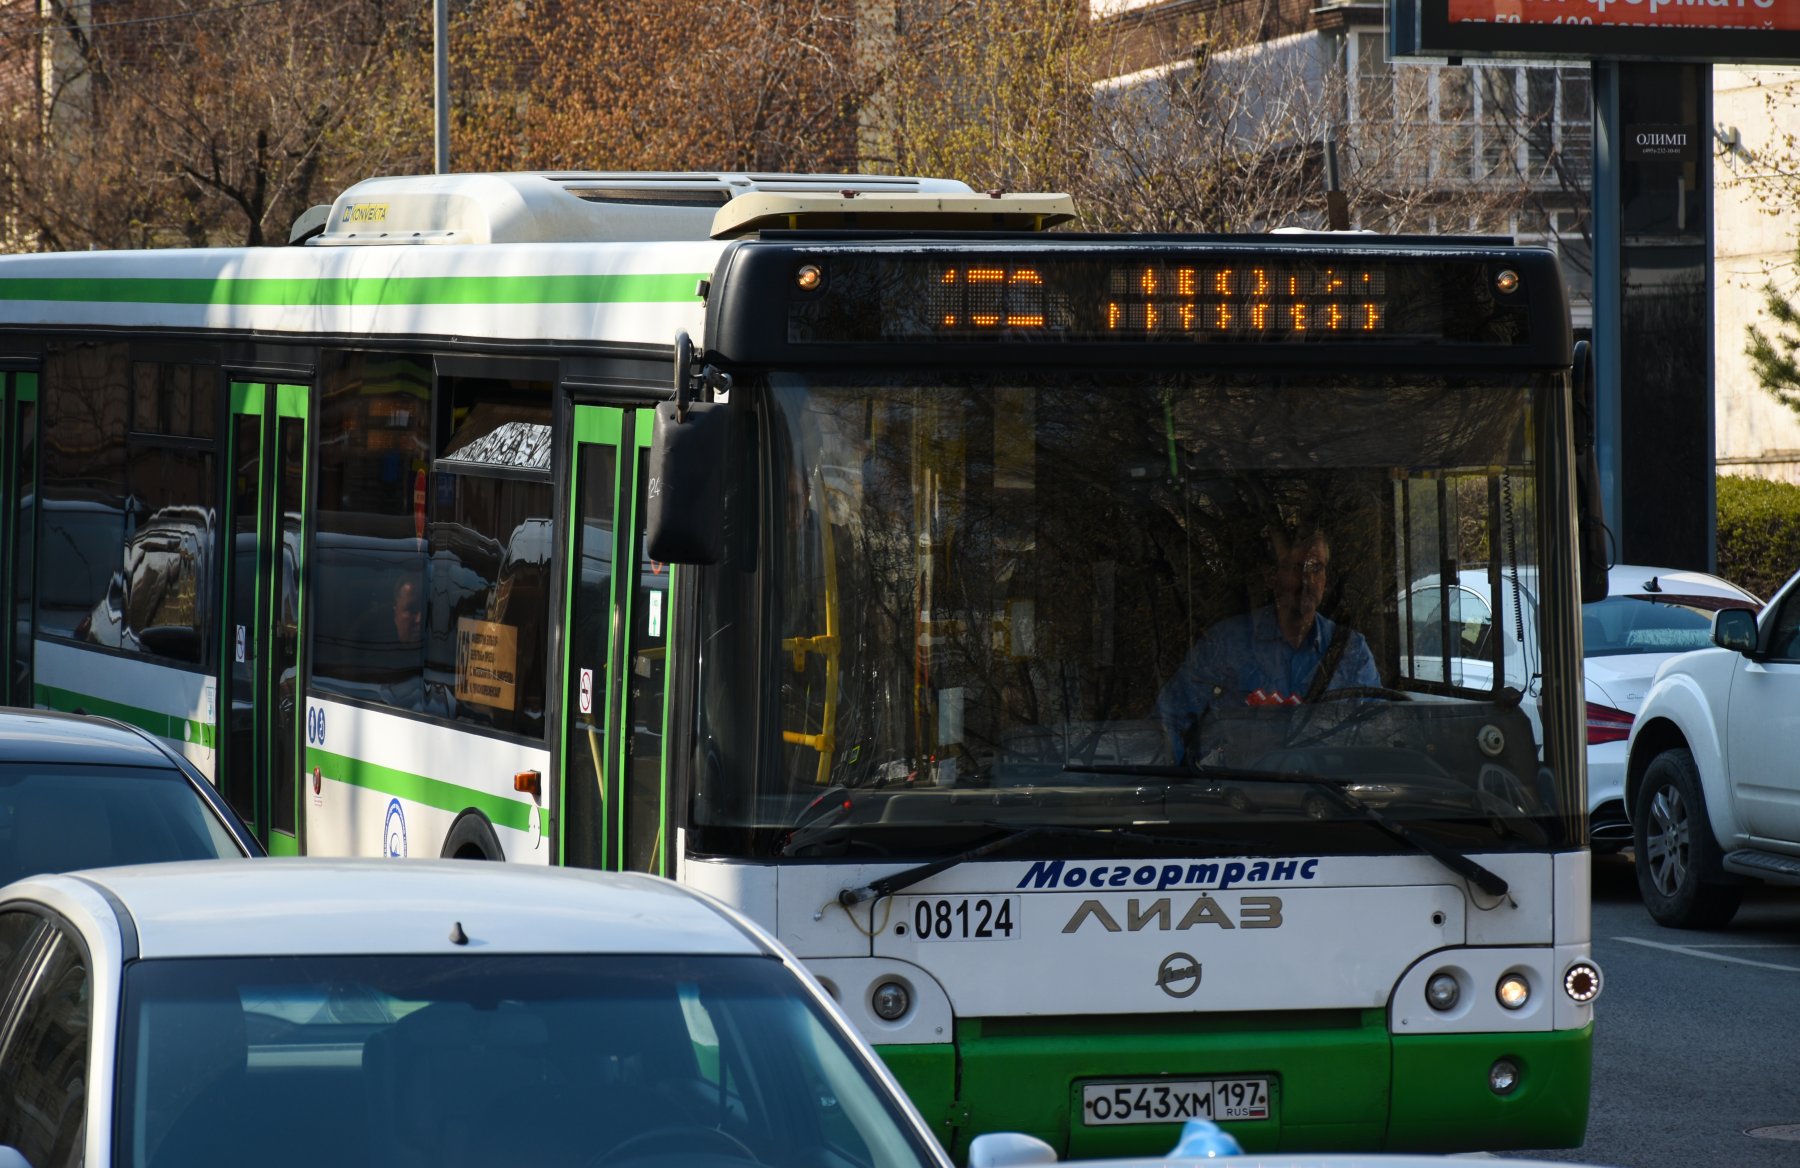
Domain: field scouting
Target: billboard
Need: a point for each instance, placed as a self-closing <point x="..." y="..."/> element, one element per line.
<point x="1764" y="32"/>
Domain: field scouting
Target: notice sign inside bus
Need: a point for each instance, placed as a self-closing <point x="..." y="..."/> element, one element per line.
<point x="487" y="655"/>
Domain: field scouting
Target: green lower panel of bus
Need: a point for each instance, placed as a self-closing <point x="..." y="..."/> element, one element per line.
<point x="1442" y="1101"/>
<point x="1328" y="1077"/>
<point x="928" y="1073"/>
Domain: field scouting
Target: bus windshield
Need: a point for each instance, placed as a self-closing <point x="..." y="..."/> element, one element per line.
<point x="1208" y="606"/>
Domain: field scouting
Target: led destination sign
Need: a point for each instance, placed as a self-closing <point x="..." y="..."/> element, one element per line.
<point x="1289" y="300"/>
<point x="1149" y="300"/>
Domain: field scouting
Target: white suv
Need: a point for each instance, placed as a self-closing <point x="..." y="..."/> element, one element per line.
<point x="1713" y="775"/>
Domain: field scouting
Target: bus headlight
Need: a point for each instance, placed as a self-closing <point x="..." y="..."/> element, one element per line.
<point x="1503" y="1077"/>
<point x="890" y="1001"/>
<point x="1513" y="991"/>
<point x="1582" y="982"/>
<point x="1442" y="992"/>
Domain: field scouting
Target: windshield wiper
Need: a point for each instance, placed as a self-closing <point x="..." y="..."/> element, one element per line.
<point x="1487" y="880"/>
<point x="888" y="885"/>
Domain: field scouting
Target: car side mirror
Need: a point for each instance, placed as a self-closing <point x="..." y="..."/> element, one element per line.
<point x="1009" y="1150"/>
<point x="1735" y="629"/>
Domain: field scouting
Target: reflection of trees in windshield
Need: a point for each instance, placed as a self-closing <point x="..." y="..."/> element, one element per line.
<point x="1013" y="570"/>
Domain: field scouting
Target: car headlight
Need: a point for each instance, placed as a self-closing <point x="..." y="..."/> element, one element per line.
<point x="1443" y="991"/>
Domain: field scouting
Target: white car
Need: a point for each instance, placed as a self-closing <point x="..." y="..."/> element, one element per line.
<point x="1713" y="777"/>
<point x="1649" y="615"/>
<point x="423" y="1013"/>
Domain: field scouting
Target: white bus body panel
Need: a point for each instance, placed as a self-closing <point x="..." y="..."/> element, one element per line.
<point x="1348" y="936"/>
<point x="179" y="706"/>
<point x="397" y="302"/>
<point x="346" y="817"/>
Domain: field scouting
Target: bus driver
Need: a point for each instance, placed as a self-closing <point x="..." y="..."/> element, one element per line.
<point x="1285" y="652"/>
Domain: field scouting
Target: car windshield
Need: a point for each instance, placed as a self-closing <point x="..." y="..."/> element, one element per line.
<point x="1623" y="625"/>
<point x="554" y="1061"/>
<point x="62" y="817"/>
<point x="1006" y="601"/>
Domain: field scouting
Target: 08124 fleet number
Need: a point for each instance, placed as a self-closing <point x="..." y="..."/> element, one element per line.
<point x="957" y="918"/>
<point x="1221" y="1100"/>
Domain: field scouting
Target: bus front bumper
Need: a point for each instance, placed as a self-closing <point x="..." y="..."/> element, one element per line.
<point x="1338" y="1081"/>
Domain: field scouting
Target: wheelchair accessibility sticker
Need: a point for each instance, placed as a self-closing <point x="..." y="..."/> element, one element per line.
<point x="394" y="830"/>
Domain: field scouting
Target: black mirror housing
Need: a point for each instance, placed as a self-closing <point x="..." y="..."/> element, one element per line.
<point x="1735" y="629"/>
<point x="1590" y="530"/>
<point x="684" y="518"/>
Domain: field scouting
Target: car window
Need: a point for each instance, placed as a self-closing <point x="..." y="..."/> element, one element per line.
<point x="1462" y="627"/>
<point x="1784" y="632"/>
<point x="16" y="931"/>
<point x="64" y="817"/>
<point x="585" y="1061"/>
<point x="1623" y="625"/>
<point x="43" y="1061"/>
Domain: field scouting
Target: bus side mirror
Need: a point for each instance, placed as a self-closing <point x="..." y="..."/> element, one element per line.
<point x="684" y="515"/>
<point x="1735" y="629"/>
<point x="1590" y="514"/>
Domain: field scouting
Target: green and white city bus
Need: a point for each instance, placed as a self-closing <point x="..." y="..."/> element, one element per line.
<point x="363" y="526"/>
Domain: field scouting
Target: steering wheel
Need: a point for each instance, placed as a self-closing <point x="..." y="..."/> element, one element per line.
<point x="1354" y="692"/>
<point x="676" y="1139"/>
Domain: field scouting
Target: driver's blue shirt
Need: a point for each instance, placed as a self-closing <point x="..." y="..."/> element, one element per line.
<point x="1243" y="654"/>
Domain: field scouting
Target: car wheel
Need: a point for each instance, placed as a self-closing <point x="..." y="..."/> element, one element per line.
<point x="1679" y="869"/>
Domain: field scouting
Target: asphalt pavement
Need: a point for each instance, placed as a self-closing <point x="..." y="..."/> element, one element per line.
<point x="1696" y="1035"/>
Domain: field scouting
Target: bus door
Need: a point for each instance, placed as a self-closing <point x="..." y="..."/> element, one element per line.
<point x="260" y="651"/>
<point x="18" y="474"/>
<point x="614" y="810"/>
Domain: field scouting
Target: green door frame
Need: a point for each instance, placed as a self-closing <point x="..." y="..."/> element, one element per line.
<point x="253" y="642"/>
<point x="607" y="426"/>
<point x="18" y="390"/>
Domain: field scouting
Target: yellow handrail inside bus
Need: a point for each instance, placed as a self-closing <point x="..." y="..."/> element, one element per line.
<point x="826" y="646"/>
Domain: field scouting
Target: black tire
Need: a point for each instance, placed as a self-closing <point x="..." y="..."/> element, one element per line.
<point x="472" y="838"/>
<point x="1680" y="870"/>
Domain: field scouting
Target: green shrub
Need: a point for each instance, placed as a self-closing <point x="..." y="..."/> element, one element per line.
<point x="1759" y="532"/>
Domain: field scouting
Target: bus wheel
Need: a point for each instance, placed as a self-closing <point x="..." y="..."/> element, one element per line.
<point x="1679" y="871"/>
<point x="472" y="838"/>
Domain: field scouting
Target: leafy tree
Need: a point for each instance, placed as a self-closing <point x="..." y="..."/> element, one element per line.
<point x="1773" y="354"/>
<point x="747" y="85"/>
<point x="178" y="121"/>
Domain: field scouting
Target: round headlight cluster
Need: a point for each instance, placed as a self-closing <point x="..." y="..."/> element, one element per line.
<point x="1513" y="991"/>
<point x="1443" y="991"/>
<point x="1582" y="982"/>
